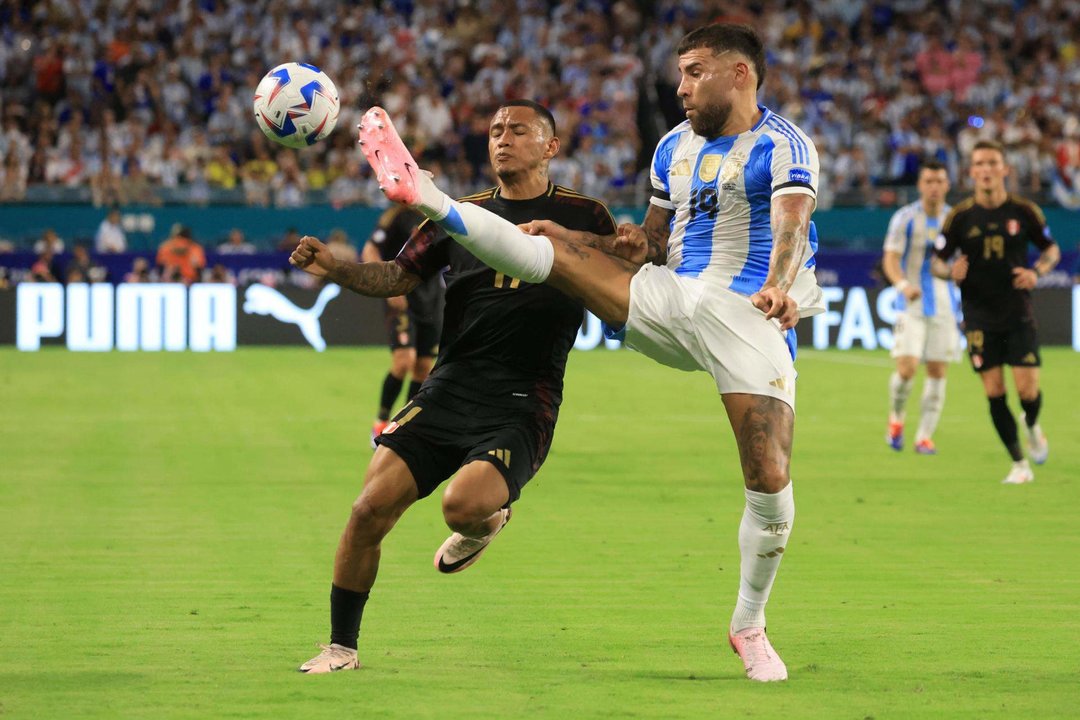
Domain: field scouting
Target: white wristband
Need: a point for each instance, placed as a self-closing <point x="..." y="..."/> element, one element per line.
<point x="902" y="285"/>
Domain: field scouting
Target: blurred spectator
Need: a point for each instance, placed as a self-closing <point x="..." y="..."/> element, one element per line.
<point x="289" y="240"/>
<point x="235" y="244"/>
<point x="289" y="184"/>
<point x="180" y="258"/>
<point x="341" y="248"/>
<point x="136" y="187"/>
<point x="219" y="274"/>
<point x="1066" y="177"/>
<point x="221" y="172"/>
<point x="141" y="272"/>
<point x="110" y="236"/>
<point x="106" y="187"/>
<point x="13" y="175"/>
<point x="257" y="173"/>
<point x="49" y="242"/>
<point x="44" y="268"/>
<point x="348" y="188"/>
<point x="82" y="268"/>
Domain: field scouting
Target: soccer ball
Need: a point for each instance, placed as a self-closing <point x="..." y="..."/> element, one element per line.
<point x="296" y="105"/>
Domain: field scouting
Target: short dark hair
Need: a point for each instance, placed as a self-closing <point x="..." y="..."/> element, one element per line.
<point x="989" y="145"/>
<point x="932" y="165"/>
<point x="536" y="107"/>
<point x="722" y="37"/>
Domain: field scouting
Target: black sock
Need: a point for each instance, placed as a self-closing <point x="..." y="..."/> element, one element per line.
<point x="346" y="610"/>
<point x="1031" y="409"/>
<point x="414" y="387"/>
<point x="1005" y="424"/>
<point x="391" y="388"/>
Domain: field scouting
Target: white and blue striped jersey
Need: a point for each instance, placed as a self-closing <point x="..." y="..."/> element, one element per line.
<point x="912" y="234"/>
<point x="721" y="192"/>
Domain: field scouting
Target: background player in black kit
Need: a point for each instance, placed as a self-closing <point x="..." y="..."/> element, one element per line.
<point x="413" y="321"/>
<point x="488" y="409"/>
<point x="992" y="231"/>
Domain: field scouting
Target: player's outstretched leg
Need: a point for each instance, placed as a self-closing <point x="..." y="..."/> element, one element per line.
<point x="495" y="241"/>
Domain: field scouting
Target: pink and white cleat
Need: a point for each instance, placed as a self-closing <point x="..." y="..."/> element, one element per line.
<point x="395" y="169"/>
<point x="459" y="552"/>
<point x="333" y="657"/>
<point x="758" y="656"/>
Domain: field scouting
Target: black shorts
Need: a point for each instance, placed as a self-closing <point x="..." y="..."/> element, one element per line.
<point x="403" y="330"/>
<point x="1018" y="346"/>
<point x="436" y="435"/>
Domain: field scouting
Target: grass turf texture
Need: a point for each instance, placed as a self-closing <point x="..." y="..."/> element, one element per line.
<point x="169" y="521"/>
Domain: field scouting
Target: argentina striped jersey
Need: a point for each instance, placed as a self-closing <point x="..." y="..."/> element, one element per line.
<point x="721" y="192"/>
<point x="912" y="234"/>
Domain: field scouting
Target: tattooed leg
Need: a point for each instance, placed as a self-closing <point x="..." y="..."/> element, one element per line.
<point x="763" y="429"/>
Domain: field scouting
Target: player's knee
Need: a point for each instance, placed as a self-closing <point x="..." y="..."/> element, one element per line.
<point x="373" y="511"/>
<point x="401" y="366"/>
<point x="1028" y="393"/>
<point x="462" y="513"/>
<point x="365" y="513"/>
<point x="768" y="481"/>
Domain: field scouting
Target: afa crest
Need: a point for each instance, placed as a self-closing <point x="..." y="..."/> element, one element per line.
<point x="709" y="167"/>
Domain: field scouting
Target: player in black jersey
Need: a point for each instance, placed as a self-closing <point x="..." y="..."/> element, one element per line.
<point x="413" y="321"/>
<point x="991" y="232"/>
<point x="488" y="409"/>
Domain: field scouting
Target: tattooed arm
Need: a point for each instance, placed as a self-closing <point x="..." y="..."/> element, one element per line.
<point x="375" y="279"/>
<point x="657" y="228"/>
<point x="791" y="235"/>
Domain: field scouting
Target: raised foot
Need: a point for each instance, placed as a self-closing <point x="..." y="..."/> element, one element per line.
<point x="394" y="167"/>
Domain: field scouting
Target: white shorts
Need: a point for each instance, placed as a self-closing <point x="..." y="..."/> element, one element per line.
<point x="689" y="324"/>
<point x="930" y="339"/>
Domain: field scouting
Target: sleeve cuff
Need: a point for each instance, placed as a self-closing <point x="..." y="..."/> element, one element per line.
<point x="789" y="188"/>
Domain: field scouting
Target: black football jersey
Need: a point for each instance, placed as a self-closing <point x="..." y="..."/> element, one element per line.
<point x="995" y="240"/>
<point x="393" y="230"/>
<point x="504" y="341"/>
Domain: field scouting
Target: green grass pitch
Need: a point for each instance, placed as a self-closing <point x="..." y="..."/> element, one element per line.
<point x="168" y="521"/>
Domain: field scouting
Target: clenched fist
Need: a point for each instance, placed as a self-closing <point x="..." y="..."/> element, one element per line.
<point x="313" y="257"/>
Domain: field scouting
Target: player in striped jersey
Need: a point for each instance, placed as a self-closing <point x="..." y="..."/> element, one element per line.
<point x="925" y="329"/>
<point x="734" y="188"/>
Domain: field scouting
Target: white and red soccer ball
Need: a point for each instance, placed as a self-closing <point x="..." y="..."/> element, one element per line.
<point x="296" y="105"/>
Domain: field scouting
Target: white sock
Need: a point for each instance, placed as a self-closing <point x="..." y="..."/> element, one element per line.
<point x="495" y="241"/>
<point x="933" y="400"/>
<point x="763" y="535"/>
<point x="899" y="389"/>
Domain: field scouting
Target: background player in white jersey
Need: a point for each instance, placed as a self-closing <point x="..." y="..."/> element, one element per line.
<point x="926" y="328"/>
<point x="735" y="186"/>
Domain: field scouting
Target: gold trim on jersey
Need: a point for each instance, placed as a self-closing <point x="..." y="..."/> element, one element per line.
<point x="959" y="208"/>
<point x="1024" y="202"/>
<point x="488" y="194"/>
<point x="562" y="191"/>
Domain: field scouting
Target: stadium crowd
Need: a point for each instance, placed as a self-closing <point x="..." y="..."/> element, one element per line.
<point x="140" y="100"/>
